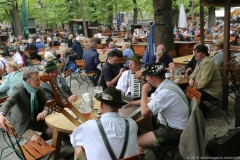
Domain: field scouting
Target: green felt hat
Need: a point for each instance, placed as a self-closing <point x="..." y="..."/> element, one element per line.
<point x="155" y="69"/>
<point x="111" y="96"/>
<point x="137" y="58"/>
<point x="11" y="48"/>
<point x="50" y="66"/>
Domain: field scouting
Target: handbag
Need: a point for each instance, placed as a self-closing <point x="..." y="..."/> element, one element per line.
<point x="107" y="144"/>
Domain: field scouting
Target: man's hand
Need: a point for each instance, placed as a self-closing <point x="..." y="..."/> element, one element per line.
<point x="189" y="70"/>
<point x="139" y="74"/>
<point x="2" y="121"/>
<point x="121" y="71"/>
<point x="191" y="82"/>
<point x="146" y="88"/>
<point x="42" y="115"/>
<point x="72" y="98"/>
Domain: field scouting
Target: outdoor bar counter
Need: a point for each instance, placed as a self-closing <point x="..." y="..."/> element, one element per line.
<point x="139" y="48"/>
<point x="183" y="45"/>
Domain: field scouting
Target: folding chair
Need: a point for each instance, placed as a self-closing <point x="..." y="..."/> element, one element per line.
<point x="30" y="150"/>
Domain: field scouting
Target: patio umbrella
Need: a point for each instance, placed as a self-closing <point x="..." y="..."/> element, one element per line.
<point x="25" y="19"/>
<point x="118" y="21"/>
<point x="150" y="49"/>
<point x="182" y="21"/>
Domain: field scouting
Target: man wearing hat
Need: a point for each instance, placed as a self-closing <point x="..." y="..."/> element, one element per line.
<point x="16" y="56"/>
<point x="218" y="57"/>
<point x="206" y="77"/>
<point x="168" y="102"/>
<point x="111" y="72"/>
<point x="87" y="138"/>
<point x="52" y="70"/>
<point x="135" y="65"/>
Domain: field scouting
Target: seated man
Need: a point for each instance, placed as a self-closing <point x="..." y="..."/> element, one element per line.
<point x="51" y="69"/>
<point x="135" y="65"/>
<point x="91" y="56"/>
<point x="168" y="102"/>
<point x="192" y="64"/>
<point x="29" y="111"/>
<point x="111" y="72"/>
<point x="218" y="57"/>
<point x="87" y="138"/>
<point x="206" y="77"/>
<point x="16" y="56"/>
<point x="163" y="57"/>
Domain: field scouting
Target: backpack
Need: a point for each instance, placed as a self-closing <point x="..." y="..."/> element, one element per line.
<point x="73" y="66"/>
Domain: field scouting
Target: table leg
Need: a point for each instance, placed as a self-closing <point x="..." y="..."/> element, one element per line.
<point x="56" y="143"/>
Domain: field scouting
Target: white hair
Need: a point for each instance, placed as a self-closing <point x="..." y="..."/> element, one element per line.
<point x="95" y="36"/>
<point x="49" y="56"/>
<point x="38" y="40"/>
<point x="30" y="40"/>
<point x="49" y="39"/>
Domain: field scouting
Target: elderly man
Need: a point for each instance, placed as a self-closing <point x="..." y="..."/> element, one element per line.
<point x="28" y="111"/>
<point x="168" y="102"/>
<point x="16" y="56"/>
<point x="91" y="56"/>
<point x="163" y="57"/>
<point x="52" y="70"/>
<point x="135" y="65"/>
<point x="87" y="138"/>
<point x="218" y="57"/>
<point x="111" y="72"/>
<point x="206" y="77"/>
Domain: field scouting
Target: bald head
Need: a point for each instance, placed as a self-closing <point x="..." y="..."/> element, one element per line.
<point x="161" y="47"/>
<point x="111" y="45"/>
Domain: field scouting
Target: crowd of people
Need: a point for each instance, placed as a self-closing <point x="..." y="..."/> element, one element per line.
<point x="160" y="97"/>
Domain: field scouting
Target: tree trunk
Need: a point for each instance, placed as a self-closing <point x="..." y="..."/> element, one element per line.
<point x="163" y="23"/>
<point x="135" y="12"/>
<point x="16" y="21"/>
<point x="211" y="17"/>
<point x="110" y="16"/>
<point x="84" y="22"/>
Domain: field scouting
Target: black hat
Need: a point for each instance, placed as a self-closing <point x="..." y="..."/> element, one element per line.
<point x="50" y="66"/>
<point x="155" y="69"/>
<point x="111" y="96"/>
<point x="137" y="58"/>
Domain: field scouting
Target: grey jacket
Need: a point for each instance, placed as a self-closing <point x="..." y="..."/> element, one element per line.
<point x="48" y="90"/>
<point x="21" y="112"/>
<point x="192" y="138"/>
<point x="218" y="58"/>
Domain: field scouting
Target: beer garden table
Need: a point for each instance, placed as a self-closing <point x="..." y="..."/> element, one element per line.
<point x="60" y="124"/>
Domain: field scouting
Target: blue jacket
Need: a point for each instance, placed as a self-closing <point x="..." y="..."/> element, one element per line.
<point x="91" y="57"/>
<point x="76" y="47"/>
<point x="11" y="80"/>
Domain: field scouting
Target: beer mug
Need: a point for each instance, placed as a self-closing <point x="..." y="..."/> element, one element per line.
<point x="159" y="54"/>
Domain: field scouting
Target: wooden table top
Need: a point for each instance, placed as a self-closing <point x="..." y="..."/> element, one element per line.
<point x="59" y="122"/>
<point x="184" y="42"/>
<point x="140" y="44"/>
<point x="182" y="60"/>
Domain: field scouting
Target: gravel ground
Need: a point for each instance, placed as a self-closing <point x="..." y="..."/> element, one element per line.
<point x="215" y="124"/>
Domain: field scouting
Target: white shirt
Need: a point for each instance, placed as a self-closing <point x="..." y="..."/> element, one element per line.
<point x="170" y="104"/>
<point x="17" y="58"/>
<point x="3" y="60"/>
<point x="88" y="136"/>
<point x="123" y="82"/>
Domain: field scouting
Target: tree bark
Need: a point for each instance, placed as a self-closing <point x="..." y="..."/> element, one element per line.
<point x="16" y="21"/>
<point x="110" y="15"/>
<point x="163" y="23"/>
<point x="84" y="22"/>
<point x="211" y="17"/>
<point x="135" y="12"/>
